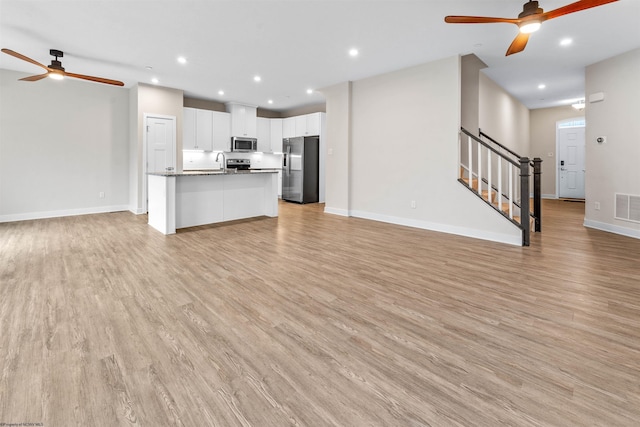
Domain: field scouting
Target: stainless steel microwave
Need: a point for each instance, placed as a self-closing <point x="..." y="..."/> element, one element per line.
<point x="244" y="144"/>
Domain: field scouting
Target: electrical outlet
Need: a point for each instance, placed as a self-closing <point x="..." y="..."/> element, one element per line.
<point x="413" y="204"/>
<point x="101" y="195"/>
<point x="596" y="206"/>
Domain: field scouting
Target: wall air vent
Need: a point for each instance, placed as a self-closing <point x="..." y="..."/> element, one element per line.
<point x="627" y="207"/>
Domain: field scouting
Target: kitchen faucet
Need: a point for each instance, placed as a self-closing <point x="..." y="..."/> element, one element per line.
<point x="224" y="160"/>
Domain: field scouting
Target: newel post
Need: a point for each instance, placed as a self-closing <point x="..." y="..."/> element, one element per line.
<point x="524" y="201"/>
<point x="537" y="193"/>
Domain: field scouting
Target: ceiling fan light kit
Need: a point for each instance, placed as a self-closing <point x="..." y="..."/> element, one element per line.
<point x="529" y="20"/>
<point x="56" y="71"/>
<point x="530" y="27"/>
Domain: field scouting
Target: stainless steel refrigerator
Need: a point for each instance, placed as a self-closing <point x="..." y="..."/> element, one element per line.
<point x="300" y="166"/>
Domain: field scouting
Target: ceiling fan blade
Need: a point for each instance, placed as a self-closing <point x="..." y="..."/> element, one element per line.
<point x="24" y="58"/>
<point x="518" y="44"/>
<point x="574" y="7"/>
<point x="35" y="78"/>
<point x="478" y="20"/>
<point x="95" y="79"/>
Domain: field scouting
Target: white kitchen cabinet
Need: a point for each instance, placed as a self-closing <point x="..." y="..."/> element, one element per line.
<point x="313" y="123"/>
<point x="204" y="130"/>
<point x="308" y="124"/>
<point x="276" y="135"/>
<point x="264" y="134"/>
<point x="197" y="129"/>
<point x="243" y="120"/>
<point x="221" y="131"/>
<point x="289" y="127"/>
<point x="189" y="129"/>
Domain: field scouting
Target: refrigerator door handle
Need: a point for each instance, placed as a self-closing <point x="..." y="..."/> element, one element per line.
<point x="287" y="154"/>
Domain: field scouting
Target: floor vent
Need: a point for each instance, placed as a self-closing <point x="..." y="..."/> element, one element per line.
<point x="628" y="207"/>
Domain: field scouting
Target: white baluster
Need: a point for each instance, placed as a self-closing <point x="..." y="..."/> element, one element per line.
<point x="511" y="190"/>
<point x="480" y="169"/>
<point x="470" y="159"/>
<point x="489" y="171"/>
<point x="500" y="182"/>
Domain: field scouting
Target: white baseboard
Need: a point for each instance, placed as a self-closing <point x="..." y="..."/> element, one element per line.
<point x="66" y="212"/>
<point x="137" y="211"/>
<point x="548" y="196"/>
<point x="611" y="228"/>
<point x="443" y="228"/>
<point x="336" y="211"/>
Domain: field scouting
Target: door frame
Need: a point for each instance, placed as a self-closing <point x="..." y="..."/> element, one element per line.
<point x="556" y="165"/>
<point x="145" y="181"/>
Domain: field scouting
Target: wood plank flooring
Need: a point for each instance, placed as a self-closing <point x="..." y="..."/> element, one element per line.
<point x="311" y="319"/>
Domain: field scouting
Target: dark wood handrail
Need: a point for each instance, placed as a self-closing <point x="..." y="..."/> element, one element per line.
<point x="482" y="134"/>
<point x="523" y="164"/>
<point x="489" y="147"/>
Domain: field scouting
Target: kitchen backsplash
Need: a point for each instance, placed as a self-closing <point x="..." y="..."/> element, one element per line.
<point x="193" y="160"/>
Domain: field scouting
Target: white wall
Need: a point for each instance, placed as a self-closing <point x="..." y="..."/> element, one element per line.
<point x="470" y="92"/>
<point x="404" y="148"/>
<point x="153" y="100"/>
<point x="61" y="144"/>
<point x="503" y="117"/>
<point x="613" y="167"/>
<point x="338" y="141"/>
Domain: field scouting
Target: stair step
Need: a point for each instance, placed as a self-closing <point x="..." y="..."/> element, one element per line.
<point x="504" y="208"/>
<point x="474" y="183"/>
<point x="532" y="220"/>
<point x="485" y="195"/>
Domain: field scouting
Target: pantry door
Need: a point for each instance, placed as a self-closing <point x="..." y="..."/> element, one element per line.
<point x="160" y="141"/>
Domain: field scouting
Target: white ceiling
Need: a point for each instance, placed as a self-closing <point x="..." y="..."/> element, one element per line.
<point x="296" y="45"/>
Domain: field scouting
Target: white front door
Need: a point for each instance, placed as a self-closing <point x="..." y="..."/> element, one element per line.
<point x="571" y="165"/>
<point x="160" y="137"/>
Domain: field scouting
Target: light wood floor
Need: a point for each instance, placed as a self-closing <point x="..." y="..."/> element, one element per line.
<point x="311" y="319"/>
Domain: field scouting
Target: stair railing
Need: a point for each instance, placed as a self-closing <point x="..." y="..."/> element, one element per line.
<point x="506" y="192"/>
<point x="536" y="164"/>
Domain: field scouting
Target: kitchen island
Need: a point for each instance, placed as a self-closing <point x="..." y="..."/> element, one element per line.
<point x="190" y="198"/>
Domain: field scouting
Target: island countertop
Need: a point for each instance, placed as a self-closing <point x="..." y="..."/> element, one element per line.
<point x="187" y="199"/>
<point x="215" y="172"/>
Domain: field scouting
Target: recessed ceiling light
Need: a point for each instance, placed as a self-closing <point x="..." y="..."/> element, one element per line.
<point x="542" y="86"/>
<point x="182" y="59"/>
<point x="309" y="91"/>
<point x="220" y="92"/>
<point x="353" y="52"/>
<point x="257" y="78"/>
<point x="155" y="81"/>
<point x="270" y="101"/>
<point x="148" y="67"/>
<point x="566" y="42"/>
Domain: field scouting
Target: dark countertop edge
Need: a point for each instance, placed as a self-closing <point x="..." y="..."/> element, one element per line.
<point x="214" y="172"/>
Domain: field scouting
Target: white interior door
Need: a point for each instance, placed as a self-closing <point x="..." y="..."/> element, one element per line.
<point x="571" y="164"/>
<point x="160" y="137"/>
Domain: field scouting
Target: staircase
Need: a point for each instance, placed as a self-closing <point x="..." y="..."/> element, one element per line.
<point x="501" y="177"/>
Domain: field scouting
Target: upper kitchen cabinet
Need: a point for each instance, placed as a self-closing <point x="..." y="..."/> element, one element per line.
<point x="243" y="120"/>
<point x="289" y="127"/>
<point x="221" y="131"/>
<point x="197" y="129"/>
<point x="264" y="134"/>
<point x="308" y="125"/>
<point x="276" y="135"/>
